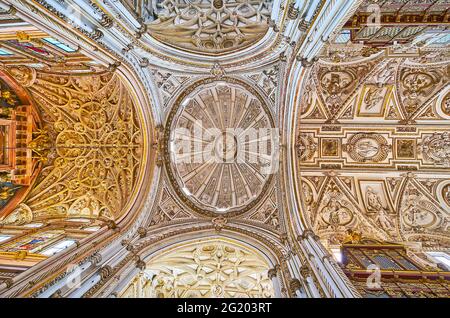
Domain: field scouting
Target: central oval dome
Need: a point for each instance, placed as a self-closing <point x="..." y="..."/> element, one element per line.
<point x="219" y="147"/>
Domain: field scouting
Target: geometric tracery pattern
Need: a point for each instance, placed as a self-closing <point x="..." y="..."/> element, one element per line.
<point x="90" y="144"/>
<point x="224" y="172"/>
<point x="213" y="268"/>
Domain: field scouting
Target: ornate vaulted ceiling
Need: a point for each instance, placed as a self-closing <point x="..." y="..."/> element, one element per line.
<point x="211" y="27"/>
<point x="373" y="144"/>
<point x="211" y="268"/>
<point x="72" y="143"/>
<point x="87" y="146"/>
<point x="229" y="176"/>
<point x="311" y="128"/>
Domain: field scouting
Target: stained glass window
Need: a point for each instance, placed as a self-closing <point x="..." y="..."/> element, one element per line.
<point x="58" y="247"/>
<point x="33" y="243"/>
<point x="60" y="45"/>
<point x="4" y="52"/>
<point x="4" y="237"/>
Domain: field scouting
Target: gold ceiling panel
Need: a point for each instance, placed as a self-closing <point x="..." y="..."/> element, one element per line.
<point x="90" y="144"/>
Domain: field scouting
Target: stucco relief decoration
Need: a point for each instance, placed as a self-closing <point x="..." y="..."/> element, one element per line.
<point x="206" y="269"/>
<point x="436" y="148"/>
<point x="334" y="213"/>
<point x="364" y="147"/>
<point x="373" y="110"/>
<point x="446" y="194"/>
<point x="220" y="146"/>
<point x="336" y="84"/>
<point x="417" y="85"/>
<point x="211" y="26"/>
<point x="446" y="105"/>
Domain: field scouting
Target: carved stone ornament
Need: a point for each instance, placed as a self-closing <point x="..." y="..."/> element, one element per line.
<point x="209" y="175"/>
<point x="211" y="26"/>
<point x="24" y="75"/>
<point x="306" y="147"/>
<point x="20" y="216"/>
<point x="364" y="147"/>
<point x="436" y="148"/>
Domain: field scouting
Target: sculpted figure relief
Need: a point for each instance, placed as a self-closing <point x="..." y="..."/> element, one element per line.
<point x="373" y="97"/>
<point x="436" y="148"/>
<point x="335" y="215"/>
<point x="375" y="204"/>
<point x="373" y="200"/>
<point x="364" y="147"/>
<point x="208" y="26"/>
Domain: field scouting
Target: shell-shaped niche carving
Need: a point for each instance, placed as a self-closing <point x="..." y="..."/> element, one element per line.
<point x="20" y="216"/>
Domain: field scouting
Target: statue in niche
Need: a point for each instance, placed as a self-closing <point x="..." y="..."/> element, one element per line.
<point x="5" y="112"/>
<point x="375" y="204"/>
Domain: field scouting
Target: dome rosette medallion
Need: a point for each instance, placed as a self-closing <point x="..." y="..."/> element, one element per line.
<point x="219" y="146"/>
